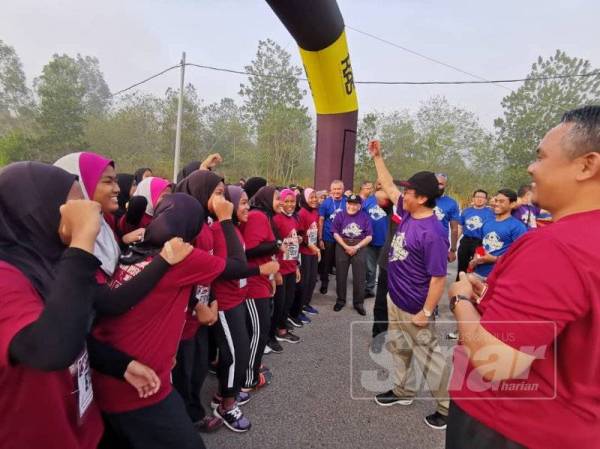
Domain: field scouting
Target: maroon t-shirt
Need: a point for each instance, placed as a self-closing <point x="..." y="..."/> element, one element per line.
<point x="308" y="226"/>
<point x="228" y="293"/>
<point x="150" y="332"/>
<point x="204" y="241"/>
<point x="287" y="229"/>
<point x="50" y="410"/>
<point x="543" y="299"/>
<point x="258" y="230"/>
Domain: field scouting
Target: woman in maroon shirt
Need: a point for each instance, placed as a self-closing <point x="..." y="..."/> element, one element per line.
<point x="231" y="332"/>
<point x="308" y="222"/>
<point x="46" y="300"/>
<point x="151" y="331"/>
<point x="286" y="224"/>
<point x="261" y="246"/>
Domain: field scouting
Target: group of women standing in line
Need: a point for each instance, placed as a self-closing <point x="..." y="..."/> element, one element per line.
<point x="109" y="285"/>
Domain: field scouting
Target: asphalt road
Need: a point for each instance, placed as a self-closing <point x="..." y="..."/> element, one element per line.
<point x="323" y="388"/>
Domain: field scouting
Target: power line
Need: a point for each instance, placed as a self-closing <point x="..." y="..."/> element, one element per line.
<point x="380" y="83"/>
<point x="421" y="55"/>
<point x="145" y="80"/>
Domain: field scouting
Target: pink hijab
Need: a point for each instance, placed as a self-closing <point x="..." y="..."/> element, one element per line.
<point x="88" y="167"/>
<point x="151" y="189"/>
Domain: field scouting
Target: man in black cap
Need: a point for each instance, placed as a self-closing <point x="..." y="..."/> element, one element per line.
<point x="418" y="260"/>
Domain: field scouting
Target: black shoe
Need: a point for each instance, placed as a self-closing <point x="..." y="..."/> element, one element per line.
<point x="275" y="346"/>
<point x="436" y="421"/>
<point x="289" y="337"/>
<point x="360" y="309"/>
<point x="323" y="290"/>
<point x="338" y="306"/>
<point x="369" y="295"/>
<point x="295" y="322"/>
<point x="389" y="398"/>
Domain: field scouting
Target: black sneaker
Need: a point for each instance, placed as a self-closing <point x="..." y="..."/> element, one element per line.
<point x="452" y="335"/>
<point x="289" y="337"/>
<point x="436" y="421"/>
<point x="389" y="398"/>
<point x="323" y="290"/>
<point x="338" y="306"/>
<point x="275" y="346"/>
<point x="360" y="309"/>
<point x="295" y="322"/>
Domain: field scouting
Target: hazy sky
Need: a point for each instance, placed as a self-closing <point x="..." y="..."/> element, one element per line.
<point x="137" y="38"/>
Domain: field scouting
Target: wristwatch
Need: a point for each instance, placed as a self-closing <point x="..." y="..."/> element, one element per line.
<point x="427" y="313"/>
<point x="457" y="298"/>
<point x="279" y="244"/>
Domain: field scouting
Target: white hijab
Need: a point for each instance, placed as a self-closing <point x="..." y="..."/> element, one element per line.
<point x="86" y="167"/>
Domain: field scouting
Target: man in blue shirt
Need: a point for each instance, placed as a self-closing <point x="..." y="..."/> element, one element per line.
<point x="379" y="225"/>
<point x="498" y="234"/>
<point x="471" y="222"/>
<point x="335" y="203"/>
<point x="448" y="213"/>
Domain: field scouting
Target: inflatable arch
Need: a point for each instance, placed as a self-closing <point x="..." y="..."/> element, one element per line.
<point x="317" y="27"/>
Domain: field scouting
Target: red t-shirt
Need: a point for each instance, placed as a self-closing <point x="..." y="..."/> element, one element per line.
<point x="150" y="332"/>
<point x="256" y="231"/>
<point x="40" y="409"/>
<point x="549" y="281"/>
<point x="204" y="241"/>
<point x="308" y="226"/>
<point x="228" y="293"/>
<point x="287" y="228"/>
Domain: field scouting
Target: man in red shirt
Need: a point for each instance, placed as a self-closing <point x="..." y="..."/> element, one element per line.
<point x="526" y="371"/>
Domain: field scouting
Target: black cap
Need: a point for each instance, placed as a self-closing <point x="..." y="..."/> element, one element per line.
<point x="354" y="199"/>
<point x="424" y="183"/>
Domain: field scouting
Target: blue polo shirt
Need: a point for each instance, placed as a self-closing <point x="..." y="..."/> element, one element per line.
<point x="328" y="210"/>
<point x="472" y="220"/>
<point x="497" y="238"/>
<point x="379" y="221"/>
<point x="446" y="210"/>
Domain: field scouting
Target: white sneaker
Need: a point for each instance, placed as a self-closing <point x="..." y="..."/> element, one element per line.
<point x="267" y="350"/>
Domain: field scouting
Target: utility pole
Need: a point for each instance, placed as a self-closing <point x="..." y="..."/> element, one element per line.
<point x="179" y="120"/>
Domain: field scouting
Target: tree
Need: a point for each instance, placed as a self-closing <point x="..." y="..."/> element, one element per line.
<point x="366" y="131"/>
<point x="538" y="105"/>
<point x="273" y="84"/>
<point x="70" y="91"/>
<point x="15" y="97"/>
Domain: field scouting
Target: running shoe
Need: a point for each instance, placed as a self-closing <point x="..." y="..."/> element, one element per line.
<point x="234" y="419"/>
<point x="274" y="346"/>
<point x="295" y="322"/>
<point x="304" y="319"/>
<point x="288" y="337"/>
<point x="452" y="335"/>
<point x="436" y="421"/>
<point x="390" y="398"/>
<point x="208" y="424"/>
<point x="268" y="349"/>
<point x="264" y="379"/>
<point x="310" y="310"/>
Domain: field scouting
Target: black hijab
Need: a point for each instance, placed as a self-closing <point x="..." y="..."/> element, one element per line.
<point x="31" y="194"/>
<point x="139" y="174"/>
<point x="188" y="170"/>
<point x="125" y="181"/>
<point x="234" y="194"/>
<point x="253" y="185"/>
<point x="200" y="184"/>
<point x="177" y="215"/>
<point x="263" y="201"/>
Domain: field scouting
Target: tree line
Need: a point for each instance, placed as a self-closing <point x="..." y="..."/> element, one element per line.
<point x="267" y="131"/>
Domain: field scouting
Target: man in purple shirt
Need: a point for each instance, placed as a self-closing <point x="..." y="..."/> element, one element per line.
<point x="353" y="232"/>
<point x="417" y="265"/>
<point x="526" y="211"/>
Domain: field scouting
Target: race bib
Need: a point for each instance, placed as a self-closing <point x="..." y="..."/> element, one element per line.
<point x="311" y="234"/>
<point x="202" y="294"/>
<point x="85" y="393"/>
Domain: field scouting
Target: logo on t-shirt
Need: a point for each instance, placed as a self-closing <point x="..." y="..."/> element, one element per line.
<point x="439" y="213"/>
<point x="377" y="213"/>
<point x="492" y="242"/>
<point x="352" y="230"/>
<point x="399" y="251"/>
<point x="473" y="223"/>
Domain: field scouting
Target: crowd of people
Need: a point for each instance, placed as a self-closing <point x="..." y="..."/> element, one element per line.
<point x="119" y="293"/>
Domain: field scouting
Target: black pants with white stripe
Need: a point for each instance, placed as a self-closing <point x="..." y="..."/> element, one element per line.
<point x="259" y="324"/>
<point x="233" y="342"/>
<point x="282" y="302"/>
